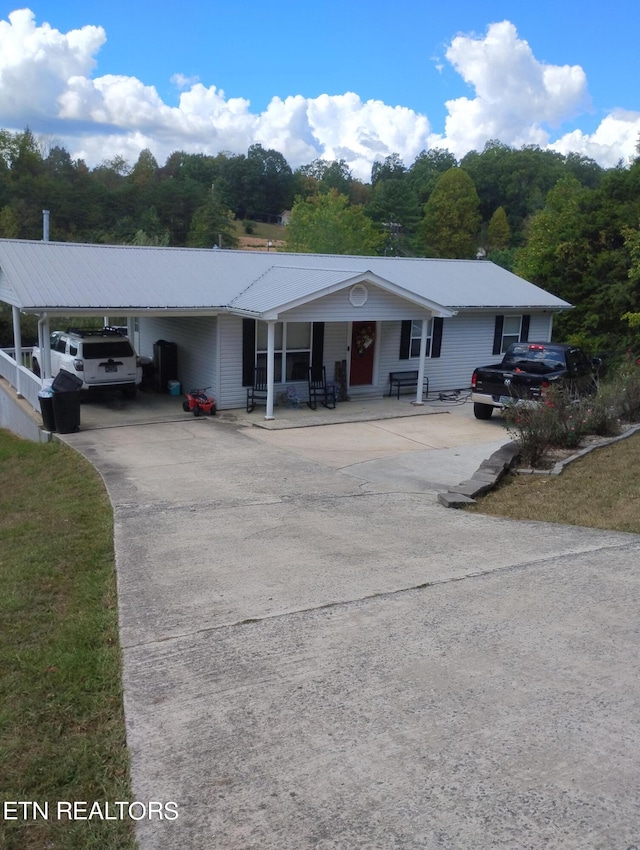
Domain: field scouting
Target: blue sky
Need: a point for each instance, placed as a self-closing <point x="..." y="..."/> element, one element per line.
<point x="208" y="76"/>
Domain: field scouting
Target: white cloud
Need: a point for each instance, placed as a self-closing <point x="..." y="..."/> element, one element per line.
<point x="182" y="82"/>
<point x="46" y="82"/>
<point x="517" y="97"/>
<point x="36" y="63"/>
<point x="614" y="140"/>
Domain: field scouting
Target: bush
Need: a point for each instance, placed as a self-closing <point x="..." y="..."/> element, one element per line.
<point x="627" y="380"/>
<point x="601" y="413"/>
<point x="533" y="426"/>
<point x="562" y="421"/>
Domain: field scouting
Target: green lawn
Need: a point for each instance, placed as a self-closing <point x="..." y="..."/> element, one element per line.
<point x="61" y="718"/>
<point x="262" y="230"/>
<point x="602" y="490"/>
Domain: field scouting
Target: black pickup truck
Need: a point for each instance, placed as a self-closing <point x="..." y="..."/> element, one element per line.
<point x="528" y="368"/>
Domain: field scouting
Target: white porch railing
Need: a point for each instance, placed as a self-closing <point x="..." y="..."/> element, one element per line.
<point x="20" y="376"/>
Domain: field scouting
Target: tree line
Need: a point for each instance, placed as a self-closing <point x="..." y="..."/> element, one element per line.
<point x="558" y="220"/>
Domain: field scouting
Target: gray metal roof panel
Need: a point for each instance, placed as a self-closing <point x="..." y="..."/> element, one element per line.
<point x="70" y="275"/>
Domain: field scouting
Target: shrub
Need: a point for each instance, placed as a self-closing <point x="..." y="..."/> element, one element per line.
<point x="562" y="421"/>
<point x="601" y="413"/>
<point x="568" y="422"/>
<point x="533" y="426"/>
<point x="627" y="380"/>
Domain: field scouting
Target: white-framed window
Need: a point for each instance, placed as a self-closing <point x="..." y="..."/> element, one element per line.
<point x="416" y="335"/>
<point x="292" y="350"/>
<point x="511" y="330"/>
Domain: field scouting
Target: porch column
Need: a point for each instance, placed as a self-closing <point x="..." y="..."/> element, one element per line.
<point x="44" y="342"/>
<point x="423" y="354"/>
<point x="17" y="345"/>
<point x="271" y="344"/>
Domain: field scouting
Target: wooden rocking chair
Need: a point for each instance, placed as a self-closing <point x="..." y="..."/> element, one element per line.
<point x="319" y="391"/>
<point x="257" y="394"/>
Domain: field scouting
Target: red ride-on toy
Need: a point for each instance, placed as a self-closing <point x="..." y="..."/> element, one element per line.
<point x="199" y="402"/>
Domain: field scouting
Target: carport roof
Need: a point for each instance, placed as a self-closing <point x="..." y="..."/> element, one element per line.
<point x="55" y="276"/>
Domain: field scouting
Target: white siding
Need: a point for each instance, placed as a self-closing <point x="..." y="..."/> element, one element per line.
<point x="467" y="342"/>
<point x="195" y="338"/>
<point x="335" y="346"/>
<point x="336" y="307"/>
<point x="232" y="393"/>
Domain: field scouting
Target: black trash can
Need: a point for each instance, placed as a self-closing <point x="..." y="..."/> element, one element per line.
<point x="46" y="410"/>
<point x="66" y="411"/>
<point x="65" y="382"/>
<point x="165" y="357"/>
<point x="66" y="402"/>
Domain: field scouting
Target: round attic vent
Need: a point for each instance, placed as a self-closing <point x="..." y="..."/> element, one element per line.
<point x="358" y="295"/>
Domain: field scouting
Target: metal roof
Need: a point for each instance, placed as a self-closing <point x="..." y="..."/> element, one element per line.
<point x="38" y="276"/>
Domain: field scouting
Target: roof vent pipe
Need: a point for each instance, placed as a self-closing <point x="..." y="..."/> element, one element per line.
<point x="45" y="225"/>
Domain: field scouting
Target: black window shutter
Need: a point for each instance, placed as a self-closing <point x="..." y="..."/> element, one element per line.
<point x="317" y="346"/>
<point x="248" y="351"/>
<point x="497" y="335"/>
<point x="436" y="339"/>
<point x="524" y="329"/>
<point x="405" y="340"/>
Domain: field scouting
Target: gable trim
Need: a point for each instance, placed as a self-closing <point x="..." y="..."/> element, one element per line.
<point x="347" y="283"/>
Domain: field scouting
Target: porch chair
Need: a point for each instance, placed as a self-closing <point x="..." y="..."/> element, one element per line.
<point x="319" y="391"/>
<point x="257" y="394"/>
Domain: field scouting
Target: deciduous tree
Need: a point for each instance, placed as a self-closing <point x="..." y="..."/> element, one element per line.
<point x="328" y="224"/>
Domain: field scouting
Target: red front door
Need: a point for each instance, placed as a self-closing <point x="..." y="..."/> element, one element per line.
<point x="363" y="346"/>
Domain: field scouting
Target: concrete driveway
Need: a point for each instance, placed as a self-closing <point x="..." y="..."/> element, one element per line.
<point x="317" y="655"/>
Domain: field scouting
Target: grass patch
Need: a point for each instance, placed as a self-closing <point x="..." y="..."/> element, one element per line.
<point x="602" y="490"/>
<point x="262" y="230"/>
<point x="61" y="717"/>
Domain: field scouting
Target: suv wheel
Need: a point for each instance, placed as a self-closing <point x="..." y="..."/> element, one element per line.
<point x="35" y="368"/>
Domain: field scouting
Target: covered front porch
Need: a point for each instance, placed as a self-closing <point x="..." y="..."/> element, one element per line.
<point x="355" y="355"/>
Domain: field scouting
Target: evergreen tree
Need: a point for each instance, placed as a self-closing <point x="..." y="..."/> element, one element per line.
<point x="451" y="218"/>
<point x="498" y="231"/>
<point x="212" y="225"/>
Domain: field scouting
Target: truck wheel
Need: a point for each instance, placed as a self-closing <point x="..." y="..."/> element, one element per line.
<point x="35" y="368"/>
<point x="482" y="411"/>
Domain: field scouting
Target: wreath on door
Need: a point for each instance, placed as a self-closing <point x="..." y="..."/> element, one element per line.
<point x="365" y="337"/>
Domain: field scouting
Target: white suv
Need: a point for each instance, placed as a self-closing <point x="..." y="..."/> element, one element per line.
<point x="102" y="358"/>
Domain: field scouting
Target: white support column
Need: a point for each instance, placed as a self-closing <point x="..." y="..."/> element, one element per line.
<point x="44" y="344"/>
<point x="17" y="344"/>
<point x="271" y="344"/>
<point x="423" y="354"/>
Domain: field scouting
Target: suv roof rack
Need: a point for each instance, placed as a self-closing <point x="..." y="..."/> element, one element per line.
<point x="82" y="332"/>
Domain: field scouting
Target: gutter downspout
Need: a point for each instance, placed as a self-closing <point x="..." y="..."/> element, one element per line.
<point x="17" y="345"/>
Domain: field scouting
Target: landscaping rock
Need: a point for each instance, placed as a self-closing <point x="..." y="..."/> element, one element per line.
<point x="473" y="487"/>
<point x="454" y="500"/>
